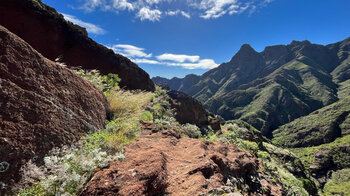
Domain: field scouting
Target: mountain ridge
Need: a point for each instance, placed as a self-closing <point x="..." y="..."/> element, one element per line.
<point x="303" y="74"/>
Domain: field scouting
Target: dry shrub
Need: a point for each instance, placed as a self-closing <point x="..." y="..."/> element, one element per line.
<point x="128" y="103"/>
<point x="126" y="107"/>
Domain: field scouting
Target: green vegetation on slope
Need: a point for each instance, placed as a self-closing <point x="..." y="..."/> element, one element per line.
<point x="276" y="86"/>
<point x="344" y="89"/>
<point x="321" y="126"/>
<point x="291" y="91"/>
<point x="339" y="184"/>
<point x="342" y="72"/>
<point x="307" y="154"/>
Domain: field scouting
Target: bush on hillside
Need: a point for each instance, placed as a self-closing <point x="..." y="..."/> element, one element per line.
<point x="147" y="116"/>
<point x="191" y="131"/>
<point x="65" y="171"/>
<point x="104" y="82"/>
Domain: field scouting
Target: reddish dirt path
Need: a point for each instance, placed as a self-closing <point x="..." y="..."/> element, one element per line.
<point x="167" y="164"/>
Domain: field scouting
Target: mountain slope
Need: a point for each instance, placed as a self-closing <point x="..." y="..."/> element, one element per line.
<point x="322" y="141"/>
<point x="277" y="85"/>
<point x="178" y="84"/>
<point x="319" y="127"/>
<point x="50" y="34"/>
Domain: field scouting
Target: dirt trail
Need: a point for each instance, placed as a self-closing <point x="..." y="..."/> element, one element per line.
<point x="167" y="164"/>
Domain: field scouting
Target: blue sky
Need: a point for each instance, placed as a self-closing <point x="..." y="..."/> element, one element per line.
<point x="177" y="37"/>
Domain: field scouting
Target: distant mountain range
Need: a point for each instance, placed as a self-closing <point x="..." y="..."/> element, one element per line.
<point x="273" y="87"/>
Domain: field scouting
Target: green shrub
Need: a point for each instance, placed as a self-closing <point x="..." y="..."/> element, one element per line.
<point x="104" y="82"/>
<point x="191" y="131"/>
<point x="162" y="124"/>
<point x="36" y="190"/>
<point x="158" y="111"/>
<point x="160" y="92"/>
<point x="110" y="81"/>
<point x="263" y="155"/>
<point x="147" y="116"/>
<point x="250" y="146"/>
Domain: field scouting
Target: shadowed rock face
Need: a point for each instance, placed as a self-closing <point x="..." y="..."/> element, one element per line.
<point x="42" y="105"/>
<point x="50" y="34"/>
<point x="188" y="109"/>
<point x="166" y="163"/>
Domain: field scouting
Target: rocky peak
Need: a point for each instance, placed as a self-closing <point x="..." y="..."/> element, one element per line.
<point x="245" y="51"/>
<point x="298" y="43"/>
<point x="247" y="47"/>
<point x="191" y="76"/>
<point x="247" y="60"/>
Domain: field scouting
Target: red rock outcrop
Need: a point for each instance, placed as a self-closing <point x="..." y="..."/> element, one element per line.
<point x="166" y="163"/>
<point x="51" y="35"/>
<point x="42" y="105"/>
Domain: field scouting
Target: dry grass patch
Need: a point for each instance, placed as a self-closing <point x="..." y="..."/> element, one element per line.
<point x="126" y="108"/>
<point x="128" y="103"/>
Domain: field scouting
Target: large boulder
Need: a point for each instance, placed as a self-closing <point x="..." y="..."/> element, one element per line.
<point x="165" y="163"/>
<point x="49" y="33"/>
<point x="42" y="105"/>
<point x="188" y="109"/>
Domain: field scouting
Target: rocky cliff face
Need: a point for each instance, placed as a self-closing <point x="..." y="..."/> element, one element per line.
<point x="42" y="105"/>
<point x="51" y="35"/>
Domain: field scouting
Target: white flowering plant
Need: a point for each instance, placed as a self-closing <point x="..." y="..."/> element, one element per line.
<point x="66" y="170"/>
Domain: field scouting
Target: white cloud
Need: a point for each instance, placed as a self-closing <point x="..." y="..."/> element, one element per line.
<point x="178" y="12"/>
<point x="123" y="5"/>
<point x="145" y="61"/>
<point x="91" y="5"/>
<point x="130" y="51"/>
<point x="218" y="8"/>
<point x="152" y="1"/>
<point x="154" y="10"/>
<point x="139" y="56"/>
<point x="201" y="64"/>
<point x="184" y="61"/>
<point x="91" y="28"/>
<point x="177" y="57"/>
<point x="146" y="13"/>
